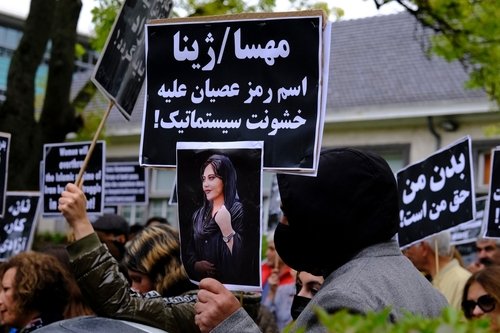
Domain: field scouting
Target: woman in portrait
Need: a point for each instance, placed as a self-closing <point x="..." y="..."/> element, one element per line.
<point x="216" y="243"/>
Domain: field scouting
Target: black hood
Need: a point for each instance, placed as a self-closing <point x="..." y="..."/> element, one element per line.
<point x="351" y="204"/>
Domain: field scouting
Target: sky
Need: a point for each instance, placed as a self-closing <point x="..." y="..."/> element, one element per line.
<point x="352" y="9"/>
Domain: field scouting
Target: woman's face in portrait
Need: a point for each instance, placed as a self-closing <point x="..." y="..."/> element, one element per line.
<point x="212" y="184"/>
<point x="8" y="313"/>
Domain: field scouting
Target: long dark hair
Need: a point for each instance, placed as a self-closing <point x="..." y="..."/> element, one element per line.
<point x="224" y="169"/>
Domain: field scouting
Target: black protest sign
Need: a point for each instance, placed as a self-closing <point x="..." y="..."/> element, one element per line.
<point x="436" y="194"/>
<point x="19" y="223"/>
<point x="493" y="219"/>
<point x="125" y="184"/>
<point x="62" y="163"/>
<point x="4" y="167"/>
<point x="469" y="232"/>
<point x="253" y="79"/>
<point x="120" y="71"/>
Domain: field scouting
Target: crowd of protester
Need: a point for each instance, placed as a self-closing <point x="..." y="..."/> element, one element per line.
<point x="325" y="252"/>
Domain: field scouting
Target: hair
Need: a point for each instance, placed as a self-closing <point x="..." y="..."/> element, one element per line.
<point x="443" y="242"/>
<point x="155" y="251"/>
<point x="224" y="169"/>
<point x="41" y="284"/>
<point x="159" y="219"/>
<point x="496" y="240"/>
<point x="489" y="279"/>
<point x="77" y="306"/>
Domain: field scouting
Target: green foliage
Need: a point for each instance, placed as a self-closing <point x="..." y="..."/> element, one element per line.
<point x="90" y="125"/>
<point x="43" y="239"/>
<point x="467" y="31"/>
<point x="450" y="321"/>
<point x="103" y="17"/>
<point x="263" y="253"/>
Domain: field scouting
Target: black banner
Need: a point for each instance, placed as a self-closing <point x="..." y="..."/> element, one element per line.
<point x="493" y="220"/>
<point x="235" y="80"/>
<point x="437" y="193"/>
<point x="119" y="73"/>
<point x="125" y="184"/>
<point x="19" y="223"/>
<point x="469" y="232"/>
<point x="62" y="163"/>
<point x="4" y="167"/>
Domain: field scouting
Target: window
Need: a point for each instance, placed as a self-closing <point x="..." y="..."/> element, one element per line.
<point x="481" y="160"/>
<point x="162" y="182"/>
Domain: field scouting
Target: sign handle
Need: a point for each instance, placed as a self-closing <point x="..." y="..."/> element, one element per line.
<point x="79" y="178"/>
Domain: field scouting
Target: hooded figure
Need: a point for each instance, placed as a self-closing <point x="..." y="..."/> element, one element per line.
<point x="351" y="204"/>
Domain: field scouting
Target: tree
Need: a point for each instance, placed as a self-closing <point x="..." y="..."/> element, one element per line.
<point x="103" y="15"/>
<point x="467" y="31"/>
<point x="48" y="20"/>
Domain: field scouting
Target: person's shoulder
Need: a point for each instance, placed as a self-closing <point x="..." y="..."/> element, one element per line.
<point x="236" y="207"/>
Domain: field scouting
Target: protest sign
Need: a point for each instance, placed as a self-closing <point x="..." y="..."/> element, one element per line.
<point x="119" y="73"/>
<point x="493" y="217"/>
<point x="239" y="191"/>
<point x="437" y="193"/>
<point x="246" y="77"/>
<point x="19" y="223"/>
<point x="125" y="183"/>
<point x="4" y="167"/>
<point x="62" y="163"/>
<point x="469" y="232"/>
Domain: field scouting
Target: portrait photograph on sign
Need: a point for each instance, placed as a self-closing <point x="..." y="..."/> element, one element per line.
<point x="238" y="78"/>
<point x="4" y="167"/>
<point x="219" y="202"/>
<point x="437" y="193"/>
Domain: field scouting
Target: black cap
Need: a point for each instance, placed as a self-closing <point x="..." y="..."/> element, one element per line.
<point x="112" y="223"/>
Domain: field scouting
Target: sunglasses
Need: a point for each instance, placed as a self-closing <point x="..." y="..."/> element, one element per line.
<point x="485" y="303"/>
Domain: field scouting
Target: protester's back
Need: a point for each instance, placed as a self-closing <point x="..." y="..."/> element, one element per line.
<point x="345" y="220"/>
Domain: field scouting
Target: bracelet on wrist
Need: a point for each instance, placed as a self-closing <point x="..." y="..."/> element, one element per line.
<point x="228" y="238"/>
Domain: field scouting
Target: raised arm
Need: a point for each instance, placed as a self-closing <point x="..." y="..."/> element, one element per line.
<point x="73" y="206"/>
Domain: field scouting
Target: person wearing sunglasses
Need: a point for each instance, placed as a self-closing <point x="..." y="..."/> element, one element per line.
<point x="482" y="295"/>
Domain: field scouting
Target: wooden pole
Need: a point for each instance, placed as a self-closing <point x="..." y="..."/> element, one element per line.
<point x="79" y="178"/>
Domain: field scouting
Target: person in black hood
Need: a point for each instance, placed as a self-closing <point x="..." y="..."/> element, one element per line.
<point x="342" y="224"/>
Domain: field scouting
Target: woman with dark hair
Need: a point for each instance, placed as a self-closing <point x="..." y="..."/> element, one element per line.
<point x="216" y="243"/>
<point x="153" y="262"/>
<point x="481" y="296"/>
<point x="35" y="291"/>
